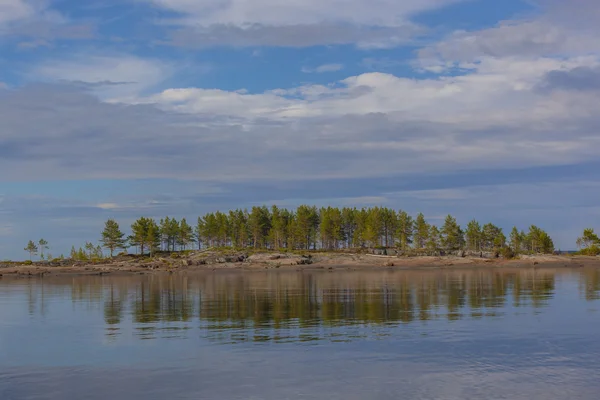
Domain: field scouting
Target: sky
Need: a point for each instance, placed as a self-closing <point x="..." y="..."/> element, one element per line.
<point x="126" y="108"/>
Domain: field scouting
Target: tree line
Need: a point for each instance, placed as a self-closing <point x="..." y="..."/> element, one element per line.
<point x="85" y="253"/>
<point x="327" y="228"/>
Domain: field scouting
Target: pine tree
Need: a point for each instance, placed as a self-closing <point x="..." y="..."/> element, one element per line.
<point x="405" y="229"/>
<point x="31" y="249"/>
<point x="451" y="234"/>
<point x="90" y="250"/>
<point x="389" y="225"/>
<point x="173" y="232"/>
<point x="330" y="226"/>
<point x="139" y="233"/>
<point x="259" y="225"/>
<point x="43" y="245"/>
<point x="473" y="236"/>
<point x="81" y="256"/>
<point x="516" y="240"/>
<point x="199" y="230"/>
<point x="223" y="229"/>
<point x="169" y="233"/>
<point x="492" y="237"/>
<point x="348" y="226"/>
<point x="279" y="234"/>
<point x="538" y="241"/>
<point x="98" y="252"/>
<point x="153" y="237"/>
<point x="112" y="237"/>
<point x="588" y="238"/>
<point x="433" y="238"/>
<point x="360" y="231"/>
<point x="589" y="243"/>
<point x="499" y="241"/>
<point x="185" y="235"/>
<point x="421" y="231"/>
<point x="374" y="227"/>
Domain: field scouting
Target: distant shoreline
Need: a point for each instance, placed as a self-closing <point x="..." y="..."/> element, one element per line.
<point x="202" y="261"/>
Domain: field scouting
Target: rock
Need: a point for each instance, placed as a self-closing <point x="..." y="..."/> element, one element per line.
<point x="304" y="261"/>
<point x="389" y="264"/>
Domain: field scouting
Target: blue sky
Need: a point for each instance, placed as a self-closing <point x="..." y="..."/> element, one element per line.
<point x="478" y="108"/>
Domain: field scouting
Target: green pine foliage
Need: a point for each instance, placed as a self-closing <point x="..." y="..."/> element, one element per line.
<point x="31" y="248"/>
<point x="42" y="245"/>
<point x="326" y="228"/>
<point x="185" y="235"/>
<point x="589" y="243"/>
<point x="473" y="236"/>
<point x="153" y="237"/>
<point x="421" y="234"/>
<point x="452" y="237"/>
<point x="516" y="240"/>
<point x="139" y="237"/>
<point x="404" y="230"/>
<point x="112" y="237"/>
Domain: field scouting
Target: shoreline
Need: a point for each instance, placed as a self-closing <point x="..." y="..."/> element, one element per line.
<point x="196" y="262"/>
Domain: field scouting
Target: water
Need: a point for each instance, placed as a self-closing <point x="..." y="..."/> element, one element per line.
<point x="493" y="334"/>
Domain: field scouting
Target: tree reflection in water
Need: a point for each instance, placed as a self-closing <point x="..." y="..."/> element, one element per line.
<point x="302" y="306"/>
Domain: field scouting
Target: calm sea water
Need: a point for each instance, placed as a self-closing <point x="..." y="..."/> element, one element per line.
<point x="527" y="334"/>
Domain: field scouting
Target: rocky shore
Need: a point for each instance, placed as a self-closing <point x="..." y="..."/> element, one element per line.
<point x="230" y="260"/>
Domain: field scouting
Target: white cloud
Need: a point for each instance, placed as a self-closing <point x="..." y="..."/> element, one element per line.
<point x="323" y="68"/>
<point x="113" y="76"/>
<point x="280" y="13"/>
<point x="109" y="206"/>
<point x="36" y="19"/>
<point x="525" y="39"/>
<point x="562" y="29"/>
<point x="372" y="124"/>
<point x="14" y="10"/>
<point x="480" y="100"/>
<point x="366" y="23"/>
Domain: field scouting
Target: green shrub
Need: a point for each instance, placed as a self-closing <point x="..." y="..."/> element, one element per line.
<point x="593" y="250"/>
<point x="507" y="253"/>
<point x="28" y="262"/>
